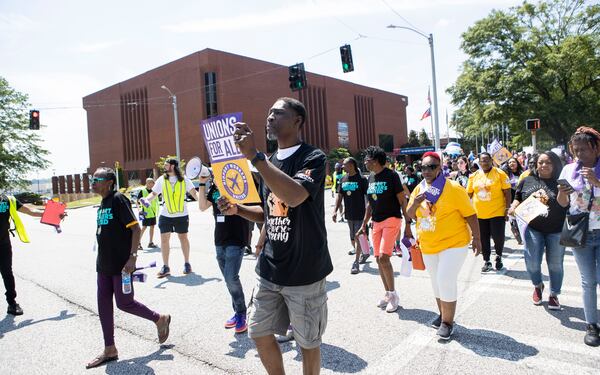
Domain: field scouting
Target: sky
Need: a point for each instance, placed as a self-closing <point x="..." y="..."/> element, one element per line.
<point x="60" y="51"/>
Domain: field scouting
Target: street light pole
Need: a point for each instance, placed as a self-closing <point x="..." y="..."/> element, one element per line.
<point x="174" y="101"/>
<point x="433" y="83"/>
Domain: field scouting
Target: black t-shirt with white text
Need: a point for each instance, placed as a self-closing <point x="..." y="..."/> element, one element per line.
<point x="296" y="251"/>
<point x="382" y="191"/>
<point x="5" y="218"/>
<point x="553" y="223"/>
<point x="411" y="181"/>
<point x="114" y="220"/>
<point x="353" y="190"/>
<point x="229" y="230"/>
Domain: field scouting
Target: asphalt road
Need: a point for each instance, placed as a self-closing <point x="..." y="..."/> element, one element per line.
<point x="498" y="329"/>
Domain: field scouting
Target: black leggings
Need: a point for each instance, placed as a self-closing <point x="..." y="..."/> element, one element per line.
<point x="492" y="228"/>
<point x="6" y="271"/>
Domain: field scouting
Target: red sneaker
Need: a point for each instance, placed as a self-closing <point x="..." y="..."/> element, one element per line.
<point x="553" y="303"/>
<point x="537" y="295"/>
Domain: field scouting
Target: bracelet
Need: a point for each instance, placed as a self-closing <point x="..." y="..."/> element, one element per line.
<point x="133" y="255"/>
<point x="202" y="184"/>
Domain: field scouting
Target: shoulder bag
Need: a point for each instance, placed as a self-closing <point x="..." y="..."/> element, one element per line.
<point x="575" y="228"/>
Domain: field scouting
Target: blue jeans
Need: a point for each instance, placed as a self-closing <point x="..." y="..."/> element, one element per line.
<point x="536" y="243"/>
<point x="588" y="262"/>
<point x="230" y="261"/>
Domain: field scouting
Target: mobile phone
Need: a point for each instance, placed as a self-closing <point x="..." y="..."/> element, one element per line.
<point x="564" y="182"/>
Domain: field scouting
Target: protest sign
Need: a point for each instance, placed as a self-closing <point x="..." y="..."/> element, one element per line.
<point x="230" y="168"/>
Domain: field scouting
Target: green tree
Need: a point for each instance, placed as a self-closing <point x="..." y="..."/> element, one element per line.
<point x="20" y="149"/>
<point x="413" y="139"/>
<point x="337" y="155"/>
<point x="424" y="138"/>
<point x="532" y="61"/>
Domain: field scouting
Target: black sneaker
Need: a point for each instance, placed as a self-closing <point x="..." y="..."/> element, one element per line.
<point x="499" y="264"/>
<point x="247" y="250"/>
<point x="363" y="258"/>
<point x="152" y="245"/>
<point x="14" y="309"/>
<point x="445" y="331"/>
<point x="437" y="322"/>
<point x="487" y="267"/>
<point x="591" y="335"/>
<point x="352" y="252"/>
<point x="354" y="269"/>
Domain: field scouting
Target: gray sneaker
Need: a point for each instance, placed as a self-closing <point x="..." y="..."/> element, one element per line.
<point x="445" y="331"/>
<point x="354" y="269"/>
<point x="437" y="322"/>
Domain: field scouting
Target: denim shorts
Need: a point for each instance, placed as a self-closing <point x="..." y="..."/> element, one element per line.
<point x="274" y="307"/>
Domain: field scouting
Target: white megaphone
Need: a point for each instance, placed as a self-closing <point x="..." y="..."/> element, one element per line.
<point x="195" y="168"/>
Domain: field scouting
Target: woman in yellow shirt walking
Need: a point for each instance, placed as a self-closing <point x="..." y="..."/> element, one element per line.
<point x="444" y="215"/>
<point x="490" y="189"/>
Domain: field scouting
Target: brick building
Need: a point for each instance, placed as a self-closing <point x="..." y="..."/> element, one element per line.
<point x="132" y="121"/>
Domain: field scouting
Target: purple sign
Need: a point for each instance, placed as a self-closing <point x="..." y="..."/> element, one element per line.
<point x="218" y="136"/>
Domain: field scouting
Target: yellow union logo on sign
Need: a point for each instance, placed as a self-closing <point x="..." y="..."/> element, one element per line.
<point x="501" y="156"/>
<point x="234" y="180"/>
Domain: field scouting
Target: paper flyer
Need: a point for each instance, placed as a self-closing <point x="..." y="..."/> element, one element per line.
<point x="230" y="168"/>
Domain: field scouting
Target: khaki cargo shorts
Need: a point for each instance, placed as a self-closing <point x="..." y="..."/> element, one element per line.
<point x="274" y="307"/>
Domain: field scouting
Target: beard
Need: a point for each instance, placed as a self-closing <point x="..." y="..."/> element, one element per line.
<point x="271" y="134"/>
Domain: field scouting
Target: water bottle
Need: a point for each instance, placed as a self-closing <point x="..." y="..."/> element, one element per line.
<point x="126" y="282"/>
<point x="142" y="215"/>
<point x="145" y="202"/>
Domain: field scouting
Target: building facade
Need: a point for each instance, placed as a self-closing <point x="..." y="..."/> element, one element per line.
<point x="132" y="122"/>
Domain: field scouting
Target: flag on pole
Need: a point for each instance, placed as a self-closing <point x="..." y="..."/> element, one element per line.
<point x="427" y="113"/>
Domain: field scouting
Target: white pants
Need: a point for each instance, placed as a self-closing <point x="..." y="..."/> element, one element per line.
<point x="443" y="269"/>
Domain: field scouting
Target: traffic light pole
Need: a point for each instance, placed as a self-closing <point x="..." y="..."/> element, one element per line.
<point x="533" y="141"/>
<point x="174" y="101"/>
<point x="434" y="83"/>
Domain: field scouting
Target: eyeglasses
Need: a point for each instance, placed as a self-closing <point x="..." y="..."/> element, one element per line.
<point x="95" y="180"/>
<point x="429" y="167"/>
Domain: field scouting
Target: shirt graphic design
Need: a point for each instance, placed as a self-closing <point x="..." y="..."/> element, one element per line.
<point x="4" y="206"/>
<point x="104" y="216"/>
<point x="349" y="186"/>
<point x="278" y="228"/>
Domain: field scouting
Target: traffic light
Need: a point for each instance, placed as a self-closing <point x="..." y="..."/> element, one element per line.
<point x="533" y="124"/>
<point x="34" y="119"/>
<point x="297" y="77"/>
<point x="346" y="53"/>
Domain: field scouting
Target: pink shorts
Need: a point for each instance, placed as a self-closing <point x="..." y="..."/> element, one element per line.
<point x="385" y="234"/>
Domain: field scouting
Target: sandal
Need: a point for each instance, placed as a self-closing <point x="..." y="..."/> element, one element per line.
<point x="100" y="360"/>
<point x="163" y="333"/>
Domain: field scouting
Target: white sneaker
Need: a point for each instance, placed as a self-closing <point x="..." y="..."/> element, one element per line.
<point x="392" y="305"/>
<point x="383" y="302"/>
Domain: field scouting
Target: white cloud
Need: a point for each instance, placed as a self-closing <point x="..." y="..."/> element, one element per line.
<point x="288" y="15"/>
<point x="99" y="46"/>
<point x="13" y="22"/>
<point x="443" y="22"/>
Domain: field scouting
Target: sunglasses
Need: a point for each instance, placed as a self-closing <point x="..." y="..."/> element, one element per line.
<point x="95" y="180"/>
<point x="429" y="167"/>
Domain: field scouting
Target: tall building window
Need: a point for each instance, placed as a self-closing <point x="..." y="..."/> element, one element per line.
<point x="386" y="142"/>
<point x="210" y="94"/>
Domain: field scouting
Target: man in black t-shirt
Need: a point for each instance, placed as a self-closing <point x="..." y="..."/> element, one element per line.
<point x="231" y="237"/>
<point x="387" y="204"/>
<point x="6" y="204"/>
<point x="295" y="260"/>
<point x="352" y="188"/>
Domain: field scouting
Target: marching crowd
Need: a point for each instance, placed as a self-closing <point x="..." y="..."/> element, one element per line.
<point x="442" y="207"/>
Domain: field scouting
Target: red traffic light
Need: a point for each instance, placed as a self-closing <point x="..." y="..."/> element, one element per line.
<point x="35" y="114"/>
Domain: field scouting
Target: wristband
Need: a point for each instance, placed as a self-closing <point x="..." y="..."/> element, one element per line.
<point x="133" y="255"/>
<point x="202" y="184"/>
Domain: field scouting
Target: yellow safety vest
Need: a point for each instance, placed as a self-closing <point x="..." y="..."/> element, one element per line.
<point x="17" y="220"/>
<point x="153" y="209"/>
<point x="174" y="197"/>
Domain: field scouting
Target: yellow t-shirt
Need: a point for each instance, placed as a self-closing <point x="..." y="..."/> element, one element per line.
<point x="443" y="226"/>
<point x="524" y="174"/>
<point x="486" y="188"/>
